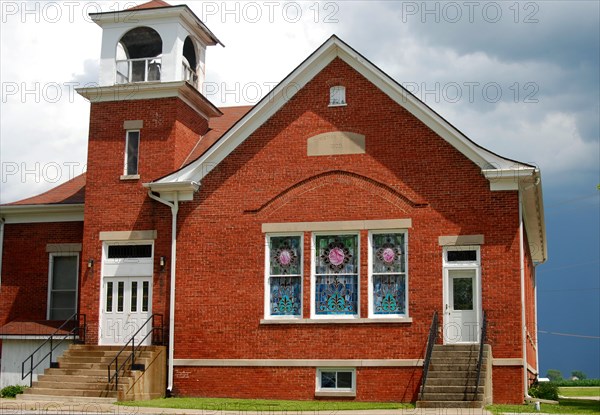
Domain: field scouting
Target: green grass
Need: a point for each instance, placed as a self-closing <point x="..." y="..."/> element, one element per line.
<point x="566" y="406"/>
<point x="225" y="404"/>
<point x="580" y="391"/>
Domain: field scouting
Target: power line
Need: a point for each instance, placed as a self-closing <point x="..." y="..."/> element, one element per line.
<point x="582" y="336"/>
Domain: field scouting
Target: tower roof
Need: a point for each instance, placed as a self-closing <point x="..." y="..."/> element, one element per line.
<point x="154" y="4"/>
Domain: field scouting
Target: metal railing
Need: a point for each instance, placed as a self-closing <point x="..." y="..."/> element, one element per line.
<point x="433" y="329"/>
<point x="78" y="333"/>
<point x="480" y="359"/>
<point x="138" y="70"/>
<point x="134" y="349"/>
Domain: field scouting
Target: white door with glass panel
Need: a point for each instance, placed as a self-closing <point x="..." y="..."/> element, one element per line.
<point x="126" y="292"/>
<point x="462" y="301"/>
<point x="126" y="308"/>
<point x="461" y="324"/>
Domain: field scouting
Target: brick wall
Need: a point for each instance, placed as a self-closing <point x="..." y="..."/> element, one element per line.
<point x="269" y="178"/>
<point x="171" y="129"/>
<point x="407" y="172"/>
<point x="24" y="291"/>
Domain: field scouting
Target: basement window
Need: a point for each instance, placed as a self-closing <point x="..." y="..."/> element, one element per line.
<point x="336" y="382"/>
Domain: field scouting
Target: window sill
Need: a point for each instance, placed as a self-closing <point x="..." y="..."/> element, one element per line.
<point x="335" y="394"/>
<point x="336" y="321"/>
<point x="337" y="105"/>
<point x="130" y="177"/>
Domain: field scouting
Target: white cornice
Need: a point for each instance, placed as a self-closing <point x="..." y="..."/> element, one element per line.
<point x="152" y="90"/>
<point x="41" y="213"/>
<point x="184" y="190"/>
<point x="193" y="23"/>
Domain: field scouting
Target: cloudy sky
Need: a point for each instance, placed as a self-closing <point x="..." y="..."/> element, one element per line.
<point x="521" y="79"/>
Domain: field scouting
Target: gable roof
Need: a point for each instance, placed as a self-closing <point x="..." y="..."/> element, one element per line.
<point x="333" y="48"/>
<point x="503" y="173"/>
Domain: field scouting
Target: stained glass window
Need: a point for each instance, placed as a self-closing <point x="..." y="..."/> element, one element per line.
<point x="285" y="275"/>
<point x="336" y="275"/>
<point x="388" y="269"/>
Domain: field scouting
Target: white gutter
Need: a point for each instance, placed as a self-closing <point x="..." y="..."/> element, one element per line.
<point x="1" y="245"/>
<point x="523" y="315"/>
<point x="174" y="209"/>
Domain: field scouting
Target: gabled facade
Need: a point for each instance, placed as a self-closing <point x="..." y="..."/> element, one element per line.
<point x="296" y="249"/>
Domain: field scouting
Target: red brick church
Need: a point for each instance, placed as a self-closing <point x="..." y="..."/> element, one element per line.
<point x="337" y="240"/>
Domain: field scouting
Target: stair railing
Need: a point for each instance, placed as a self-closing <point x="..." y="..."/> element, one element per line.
<point x="157" y="333"/>
<point x="482" y="339"/>
<point x="55" y="340"/>
<point x="433" y="329"/>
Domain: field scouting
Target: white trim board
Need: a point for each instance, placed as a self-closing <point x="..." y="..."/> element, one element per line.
<point x="299" y="362"/>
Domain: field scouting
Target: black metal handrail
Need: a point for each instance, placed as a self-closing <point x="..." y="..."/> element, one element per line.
<point x="430" y="342"/>
<point x="134" y="348"/>
<point x="77" y="331"/>
<point x="480" y="359"/>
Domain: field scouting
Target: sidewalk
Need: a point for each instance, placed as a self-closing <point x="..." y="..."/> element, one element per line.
<point x="12" y="406"/>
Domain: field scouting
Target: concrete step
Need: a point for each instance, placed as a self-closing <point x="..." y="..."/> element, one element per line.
<point x="456" y="347"/>
<point x="80" y="379"/>
<point x="445" y="404"/>
<point x="71" y="392"/>
<point x="68" y="399"/>
<point x="82" y="372"/>
<point x="104" y="353"/>
<point x="452" y="389"/>
<point x="449" y="360"/>
<point x="94" y="348"/>
<point x="105" y="360"/>
<point x="455" y="367"/>
<point x="97" y="386"/>
<point x="449" y="374"/>
<point x="452" y="397"/>
<point x="453" y="382"/>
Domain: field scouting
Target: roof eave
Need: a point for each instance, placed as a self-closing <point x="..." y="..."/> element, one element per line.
<point x="42" y="213"/>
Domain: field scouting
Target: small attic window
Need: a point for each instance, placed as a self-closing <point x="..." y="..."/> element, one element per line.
<point x="337" y="96"/>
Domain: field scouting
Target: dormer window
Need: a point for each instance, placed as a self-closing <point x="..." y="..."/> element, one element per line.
<point x="337" y="96"/>
<point x="139" y="56"/>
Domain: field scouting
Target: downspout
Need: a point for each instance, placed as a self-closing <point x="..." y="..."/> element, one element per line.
<point x="537" y="348"/>
<point x="523" y="314"/>
<point x="174" y="209"/>
<point x="1" y="245"/>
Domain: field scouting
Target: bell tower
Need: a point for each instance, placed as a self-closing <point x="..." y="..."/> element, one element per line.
<point x="147" y="114"/>
<point x="153" y="42"/>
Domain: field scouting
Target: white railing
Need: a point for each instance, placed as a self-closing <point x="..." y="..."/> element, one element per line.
<point x="189" y="75"/>
<point x="138" y="70"/>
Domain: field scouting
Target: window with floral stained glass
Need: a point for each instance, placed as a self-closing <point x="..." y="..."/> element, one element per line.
<point x="284" y="276"/>
<point x="388" y="274"/>
<point x="336" y="275"/>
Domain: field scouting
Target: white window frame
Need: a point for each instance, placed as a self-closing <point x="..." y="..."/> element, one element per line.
<point x="51" y="257"/>
<point x="342" y="91"/>
<point x="335" y="391"/>
<point x="313" y="313"/>
<point x="370" y="274"/>
<point x="268" y="276"/>
<point x="137" y="167"/>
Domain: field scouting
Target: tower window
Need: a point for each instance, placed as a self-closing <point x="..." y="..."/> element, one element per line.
<point x="337" y="96"/>
<point x="132" y="150"/>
